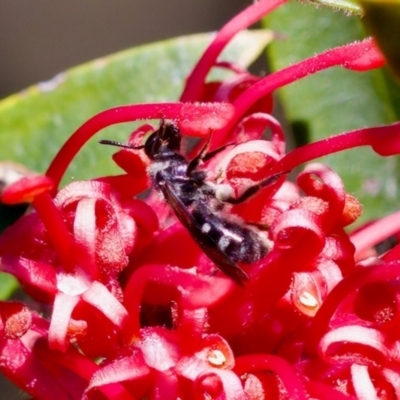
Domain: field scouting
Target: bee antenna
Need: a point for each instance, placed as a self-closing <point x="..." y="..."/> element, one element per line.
<point x="120" y="144"/>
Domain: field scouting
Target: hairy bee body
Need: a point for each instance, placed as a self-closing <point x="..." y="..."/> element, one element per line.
<point x="225" y="239"/>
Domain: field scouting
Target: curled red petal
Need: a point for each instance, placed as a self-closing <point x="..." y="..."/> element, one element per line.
<point x="84" y="230"/>
<point x="127" y="185"/>
<point x="111" y="254"/>
<point x="299" y="230"/>
<point x="220" y="385"/>
<point x="195" y="291"/>
<point x="362" y="383"/>
<point x="230" y="66"/>
<point x="354" y="343"/>
<point x="250" y="128"/>
<point x="376" y="302"/>
<point x="57" y="231"/>
<point x="392" y="255"/>
<point x="21" y="366"/>
<point x="360" y="277"/>
<point x="323" y="391"/>
<point x="70" y="366"/>
<point x="231" y="88"/>
<point x="392" y="375"/>
<point x="145" y="218"/>
<point x="252" y="14"/>
<point x="286" y="373"/>
<point x="133" y="161"/>
<point x="329" y="273"/>
<point x="254" y="126"/>
<point x="62" y="309"/>
<point x="104" y="232"/>
<point x="243" y="166"/>
<point x="37" y="278"/>
<point x="160" y="348"/>
<point x="192" y="325"/>
<point x="201" y="119"/>
<point x="82" y="189"/>
<point x="321" y="181"/>
<point x="339" y="250"/>
<point x="237" y="83"/>
<point x="100" y="336"/>
<point x="73" y="360"/>
<point x="166" y="385"/>
<point x="375" y="232"/>
<point x="360" y="56"/>
<point x="26" y="189"/>
<point x="130" y="368"/>
<point x="165" y="248"/>
<point x="193" y="119"/>
<point x="365" y="57"/>
<point x="101" y="298"/>
<point x="384" y="140"/>
<point x="206" y="355"/>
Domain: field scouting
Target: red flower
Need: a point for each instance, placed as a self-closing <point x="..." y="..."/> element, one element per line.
<point x="129" y="285"/>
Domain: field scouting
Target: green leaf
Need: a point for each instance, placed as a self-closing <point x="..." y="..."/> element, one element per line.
<point x="8" y="285"/>
<point x="382" y="19"/>
<point x="337" y="100"/>
<point x="36" y="122"/>
<point x="348" y="6"/>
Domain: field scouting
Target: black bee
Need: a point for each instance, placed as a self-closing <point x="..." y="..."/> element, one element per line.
<point x="198" y="203"/>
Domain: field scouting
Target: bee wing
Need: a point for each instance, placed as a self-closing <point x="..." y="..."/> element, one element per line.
<point x="208" y="245"/>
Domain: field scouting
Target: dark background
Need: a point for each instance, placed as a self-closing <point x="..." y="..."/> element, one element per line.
<point x="40" y="38"/>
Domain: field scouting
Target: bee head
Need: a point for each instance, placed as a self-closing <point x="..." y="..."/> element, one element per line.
<point x="165" y="139"/>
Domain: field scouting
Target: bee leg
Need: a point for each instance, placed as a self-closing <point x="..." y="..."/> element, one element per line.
<point x="250" y="191"/>
<point x="211" y="154"/>
<point x="259" y="226"/>
<point x="194" y="163"/>
<point x="204" y="155"/>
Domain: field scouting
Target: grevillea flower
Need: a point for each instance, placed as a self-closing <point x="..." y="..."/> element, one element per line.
<point x="137" y="310"/>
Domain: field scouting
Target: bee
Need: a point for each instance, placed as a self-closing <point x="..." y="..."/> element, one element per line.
<point x="199" y="204"/>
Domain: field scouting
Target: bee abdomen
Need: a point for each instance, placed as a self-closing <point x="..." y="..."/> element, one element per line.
<point x="249" y="249"/>
<point x="239" y="242"/>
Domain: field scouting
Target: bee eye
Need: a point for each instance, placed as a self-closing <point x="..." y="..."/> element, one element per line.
<point x="152" y="145"/>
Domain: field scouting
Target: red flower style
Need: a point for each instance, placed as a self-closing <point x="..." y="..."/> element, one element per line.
<point x="139" y="311"/>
